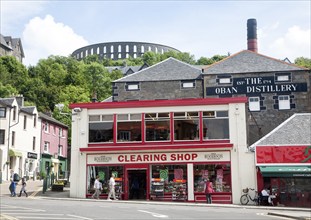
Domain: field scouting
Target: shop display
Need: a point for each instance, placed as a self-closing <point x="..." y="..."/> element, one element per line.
<point x="157" y="188"/>
<point x="179" y="190"/>
<point x="118" y="188"/>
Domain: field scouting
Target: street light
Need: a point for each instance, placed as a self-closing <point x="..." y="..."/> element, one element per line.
<point x="60" y="107"/>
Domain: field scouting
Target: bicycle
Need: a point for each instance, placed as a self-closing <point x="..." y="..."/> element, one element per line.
<point x="246" y="197"/>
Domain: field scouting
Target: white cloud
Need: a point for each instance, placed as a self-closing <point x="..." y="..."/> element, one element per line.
<point x="45" y="37"/>
<point x="295" y="43"/>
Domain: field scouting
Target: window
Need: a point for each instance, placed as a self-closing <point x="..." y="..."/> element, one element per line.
<point x="14" y="113"/>
<point x="225" y="80"/>
<point x="46" y="127"/>
<point x="33" y="143"/>
<point x="135" y="49"/>
<point x="215" y="125"/>
<point x="46" y="147"/>
<point x="101" y="128"/>
<point x="35" y="121"/>
<point x="13" y="138"/>
<point x="60" y="132"/>
<point x="173" y="176"/>
<point x="2" y="112"/>
<point x="186" y="125"/>
<point x="127" y="48"/>
<point x="132" y="86"/>
<point x="60" y="150"/>
<point x="105" y="49"/>
<point x="111" y="49"/>
<point x="157" y="126"/>
<point x="188" y="84"/>
<point x="254" y="103"/>
<point x="219" y="174"/>
<point x="284" y="102"/>
<point x="283" y="78"/>
<point x="129" y="127"/>
<point x="119" y="48"/>
<point x="142" y="49"/>
<point x="2" y="135"/>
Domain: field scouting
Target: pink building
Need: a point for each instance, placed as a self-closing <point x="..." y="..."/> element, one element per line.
<point x="54" y="146"/>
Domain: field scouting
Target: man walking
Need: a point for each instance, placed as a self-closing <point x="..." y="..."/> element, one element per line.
<point x="97" y="187"/>
<point x="112" y="184"/>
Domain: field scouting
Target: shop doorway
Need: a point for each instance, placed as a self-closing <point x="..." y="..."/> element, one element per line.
<point x="137" y="186"/>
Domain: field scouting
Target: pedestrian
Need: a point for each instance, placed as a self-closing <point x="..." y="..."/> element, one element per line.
<point x="23" y="189"/>
<point x="12" y="188"/>
<point x="208" y="189"/>
<point x="97" y="187"/>
<point x="112" y="184"/>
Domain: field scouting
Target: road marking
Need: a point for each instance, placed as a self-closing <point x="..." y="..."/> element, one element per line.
<point x="80" y="217"/>
<point x="154" y="214"/>
<point x="36" y="192"/>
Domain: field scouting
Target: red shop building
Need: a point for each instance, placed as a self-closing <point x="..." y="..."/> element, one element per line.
<point x="169" y="146"/>
<point x="283" y="160"/>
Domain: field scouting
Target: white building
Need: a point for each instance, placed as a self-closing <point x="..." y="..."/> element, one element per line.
<point x="19" y="138"/>
<point x="171" y="145"/>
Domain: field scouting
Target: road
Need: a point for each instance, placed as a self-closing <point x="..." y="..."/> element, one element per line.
<point x="34" y="208"/>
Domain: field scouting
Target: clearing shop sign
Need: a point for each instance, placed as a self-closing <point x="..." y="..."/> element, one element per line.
<point x="256" y="85"/>
<point x="222" y="156"/>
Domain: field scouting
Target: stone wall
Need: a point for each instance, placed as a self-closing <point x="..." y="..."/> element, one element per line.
<point x="269" y="117"/>
<point x="157" y="90"/>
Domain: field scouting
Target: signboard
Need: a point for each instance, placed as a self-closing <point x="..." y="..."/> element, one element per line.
<point x="283" y="154"/>
<point x="221" y="156"/>
<point x="256" y="85"/>
<point x="32" y="155"/>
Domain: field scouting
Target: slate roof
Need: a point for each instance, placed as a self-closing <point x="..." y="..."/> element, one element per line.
<point x="169" y="69"/>
<point x="6" y="101"/>
<point x="250" y="62"/>
<point x="29" y="109"/>
<point x="50" y="119"/>
<point x="294" y="131"/>
<point x="4" y="43"/>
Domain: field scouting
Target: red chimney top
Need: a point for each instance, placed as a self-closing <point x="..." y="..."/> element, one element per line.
<point x="252" y="35"/>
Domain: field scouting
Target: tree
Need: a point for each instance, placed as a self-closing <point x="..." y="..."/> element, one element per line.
<point x="303" y="62"/>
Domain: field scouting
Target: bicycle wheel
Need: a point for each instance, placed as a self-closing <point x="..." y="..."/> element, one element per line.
<point x="244" y="199"/>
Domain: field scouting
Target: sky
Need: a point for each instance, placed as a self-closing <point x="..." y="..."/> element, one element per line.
<point x="201" y="28"/>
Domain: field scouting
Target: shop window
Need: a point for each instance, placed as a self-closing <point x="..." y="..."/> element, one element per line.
<point x="254" y="103"/>
<point x="214" y="126"/>
<point x="104" y="173"/>
<point x="174" y="176"/>
<point x="101" y="130"/>
<point x="186" y="125"/>
<point x="218" y="174"/>
<point x="284" y="102"/>
<point x="129" y="127"/>
<point x="157" y="126"/>
<point x="283" y="78"/>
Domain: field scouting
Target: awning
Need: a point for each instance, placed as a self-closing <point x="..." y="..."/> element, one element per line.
<point x="15" y="153"/>
<point x="55" y="160"/>
<point x="285" y="171"/>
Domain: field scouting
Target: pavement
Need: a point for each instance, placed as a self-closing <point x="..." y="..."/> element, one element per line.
<point x="35" y="190"/>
